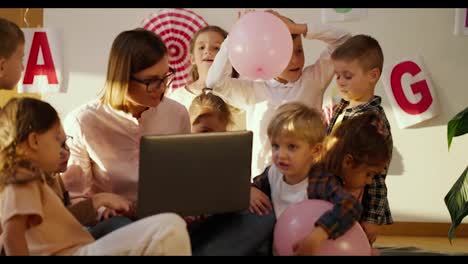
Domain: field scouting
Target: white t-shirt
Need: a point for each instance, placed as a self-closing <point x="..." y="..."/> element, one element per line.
<point x="284" y="194"/>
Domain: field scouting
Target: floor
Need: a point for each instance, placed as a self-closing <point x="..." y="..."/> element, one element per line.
<point x="433" y="244"/>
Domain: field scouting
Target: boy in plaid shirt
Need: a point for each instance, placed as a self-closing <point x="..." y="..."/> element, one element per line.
<point x="358" y="65"/>
<point x="296" y="134"/>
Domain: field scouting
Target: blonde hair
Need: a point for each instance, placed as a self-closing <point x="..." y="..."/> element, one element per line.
<point x="299" y="121"/>
<point x="363" y="137"/>
<point x="132" y="51"/>
<point x="194" y="70"/>
<point x="209" y="103"/>
<point x="19" y="118"/>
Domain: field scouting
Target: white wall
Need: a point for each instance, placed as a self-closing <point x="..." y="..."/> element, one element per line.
<point x="422" y="170"/>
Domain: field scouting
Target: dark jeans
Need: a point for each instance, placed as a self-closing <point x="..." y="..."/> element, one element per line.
<point x="233" y="234"/>
<point x="106" y="226"/>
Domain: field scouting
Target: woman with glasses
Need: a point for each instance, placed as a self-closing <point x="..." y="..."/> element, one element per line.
<point x="106" y="131"/>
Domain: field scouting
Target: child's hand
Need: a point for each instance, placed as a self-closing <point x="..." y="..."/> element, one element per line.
<point x="259" y="202"/>
<point x="309" y="245"/>
<point x="293" y="27"/>
<point x="111" y="201"/>
<point x="372" y="231"/>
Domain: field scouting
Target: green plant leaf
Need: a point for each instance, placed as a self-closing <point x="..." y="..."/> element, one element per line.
<point x="457" y="126"/>
<point x="456" y="201"/>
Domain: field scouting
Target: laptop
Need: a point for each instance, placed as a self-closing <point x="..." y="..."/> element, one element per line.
<point x="194" y="174"/>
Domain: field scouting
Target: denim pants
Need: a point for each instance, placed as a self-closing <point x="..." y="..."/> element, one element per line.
<point x="233" y="234"/>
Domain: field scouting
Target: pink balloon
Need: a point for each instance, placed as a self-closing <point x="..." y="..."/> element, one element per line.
<point x="260" y="46"/>
<point x="298" y="220"/>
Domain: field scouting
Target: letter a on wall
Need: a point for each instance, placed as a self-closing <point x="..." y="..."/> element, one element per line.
<point x="410" y="91"/>
<point x="43" y="61"/>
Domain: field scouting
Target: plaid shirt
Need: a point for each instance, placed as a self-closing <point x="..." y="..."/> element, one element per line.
<point x="325" y="186"/>
<point x="375" y="202"/>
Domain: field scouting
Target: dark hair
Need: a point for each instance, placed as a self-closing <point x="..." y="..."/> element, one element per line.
<point x="363" y="137"/>
<point x="364" y="48"/>
<point x="19" y="118"/>
<point x="11" y="36"/>
<point x="132" y="51"/>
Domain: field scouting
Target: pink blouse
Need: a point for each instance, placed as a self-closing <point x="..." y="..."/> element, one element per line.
<point x="105" y="146"/>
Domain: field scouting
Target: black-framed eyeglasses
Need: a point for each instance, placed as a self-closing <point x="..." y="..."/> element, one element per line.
<point x="155" y="83"/>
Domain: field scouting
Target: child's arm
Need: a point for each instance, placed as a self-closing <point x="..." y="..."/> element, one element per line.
<point x="239" y="93"/>
<point x="260" y="194"/>
<point x="310" y="244"/>
<point x="15" y="236"/>
<point x="21" y="210"/>
<point x="318" y="76"/>
<point x="259" y="202"/>
<point x="334" y="223"/>
<point x="331" y="35"/>
<point x="346" y="210"/>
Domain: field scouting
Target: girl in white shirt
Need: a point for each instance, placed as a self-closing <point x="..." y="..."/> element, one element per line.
<point x="204" y="46"/>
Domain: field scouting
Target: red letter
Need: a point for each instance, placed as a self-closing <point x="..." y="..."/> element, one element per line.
<point x="418" y="87"/>
<point x="32" y="68"/>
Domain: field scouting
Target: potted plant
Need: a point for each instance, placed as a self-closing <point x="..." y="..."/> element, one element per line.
<point x="456" y="199"/>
